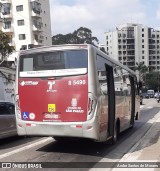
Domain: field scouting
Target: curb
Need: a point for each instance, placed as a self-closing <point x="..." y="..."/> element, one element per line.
<point x="129" y="153"/>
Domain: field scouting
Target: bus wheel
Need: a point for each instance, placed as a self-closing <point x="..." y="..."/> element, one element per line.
<point x="115" y="134"/>
<point x="62" y="139"/>
<point x="59" y="138"/>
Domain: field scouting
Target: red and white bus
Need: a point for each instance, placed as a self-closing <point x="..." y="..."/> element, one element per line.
<point x="74" y="91"/>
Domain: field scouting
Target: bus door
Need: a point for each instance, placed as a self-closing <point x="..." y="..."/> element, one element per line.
<point x="129" y="102"/>
<point x="132" y="100"/>
<point x="111" y="99"/>
<point x="106" y="81"/>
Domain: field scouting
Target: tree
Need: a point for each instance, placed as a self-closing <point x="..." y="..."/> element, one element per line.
<point x="84" y="35"/>
<point x="142" y="69"/>
<point x="79" y="36"/>
<point x="152" y="80"/>
<point x="5" y="48"/>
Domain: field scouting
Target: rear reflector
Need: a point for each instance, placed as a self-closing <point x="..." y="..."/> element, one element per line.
<point x="19" y="125"/>
<point x="28" y="124"/>
<point x="78" y="126"/>
<point x="89" y="127"/>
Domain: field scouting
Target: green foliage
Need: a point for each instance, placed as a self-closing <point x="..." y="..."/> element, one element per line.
<point x="5" y="48"/>
<point x="79" y="36"/>
<point x="153" y="80"/>
<point x="142" y="69"/>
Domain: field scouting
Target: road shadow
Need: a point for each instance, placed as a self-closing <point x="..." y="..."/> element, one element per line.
<point x="85" y="146"/>
<point x="101" y="150"/>
<point x="15" y="141"/>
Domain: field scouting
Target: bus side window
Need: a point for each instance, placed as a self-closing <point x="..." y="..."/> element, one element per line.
<point x="102" y="77"/>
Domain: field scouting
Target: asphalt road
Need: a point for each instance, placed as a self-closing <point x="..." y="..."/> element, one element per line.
<point x="46" y="149"/>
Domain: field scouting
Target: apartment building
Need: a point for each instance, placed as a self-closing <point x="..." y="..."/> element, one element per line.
<point x="27" y="22"/>
<point x="130" y="43"/>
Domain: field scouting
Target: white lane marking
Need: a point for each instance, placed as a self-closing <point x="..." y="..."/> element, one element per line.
<point x="149" y="107"/>
<point x="25" y="148"/>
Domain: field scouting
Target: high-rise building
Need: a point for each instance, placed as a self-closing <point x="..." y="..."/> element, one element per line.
<point x="27" y="22"/>
<point x="131" y="43"/>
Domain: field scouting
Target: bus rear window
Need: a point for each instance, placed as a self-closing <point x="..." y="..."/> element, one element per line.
<point x="57" y="60"/>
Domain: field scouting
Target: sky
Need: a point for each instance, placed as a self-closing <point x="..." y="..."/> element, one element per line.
<point x="102" y="16"/>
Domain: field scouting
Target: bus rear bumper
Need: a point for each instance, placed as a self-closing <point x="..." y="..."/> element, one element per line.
<point x="88" y="129"/>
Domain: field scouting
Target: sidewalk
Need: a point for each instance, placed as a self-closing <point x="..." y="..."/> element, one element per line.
<point x="146" y="150"/>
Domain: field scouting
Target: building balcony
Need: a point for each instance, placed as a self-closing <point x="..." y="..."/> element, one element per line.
<point x="130" y="49"/>
<point x="130" y="54"/>
<point x="11" y="42"/>
<point x="131" y="64"/>
<point x="8" y="29"/>
<point x="38" y="42"/>
<point x="35" y="1"/>
<point x="35" y="13"/>
<point x="6" y="15"/>
<point x="5" y="1"/>
<point x="37" y="28"/>
<point x="130" y="60"/>
<point x="1" y="20"/>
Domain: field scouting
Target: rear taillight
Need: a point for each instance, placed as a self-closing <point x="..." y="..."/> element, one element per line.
<point x="92" y="102"/>
<point x="17" y="106"/>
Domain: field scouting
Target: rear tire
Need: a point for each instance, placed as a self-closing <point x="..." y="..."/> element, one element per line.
<point x="60" y="139"/>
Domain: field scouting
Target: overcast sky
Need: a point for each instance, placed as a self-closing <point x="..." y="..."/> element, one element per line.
<point x="101" y="16"/>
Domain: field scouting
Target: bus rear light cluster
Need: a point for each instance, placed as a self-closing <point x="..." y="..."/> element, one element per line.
<point x="17" y="106"/>
<point x="92" y="102"/>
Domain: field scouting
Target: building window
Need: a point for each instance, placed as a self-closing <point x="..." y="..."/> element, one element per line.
<point x="7" y="25"/>
<point x="142" y="57"/>
<point x="23" y="47"/>
<point x="142" y="35"/>
<point x="142" y="40"/>
<point x="22" y="36"/>
<point x="142" y="46"/>
<point x="20" y="22"/>
<point x="6" y="7"/>
<point x="36" y="7"/>
<point x="142" y="29"/>
<point x="19" y="8"/>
